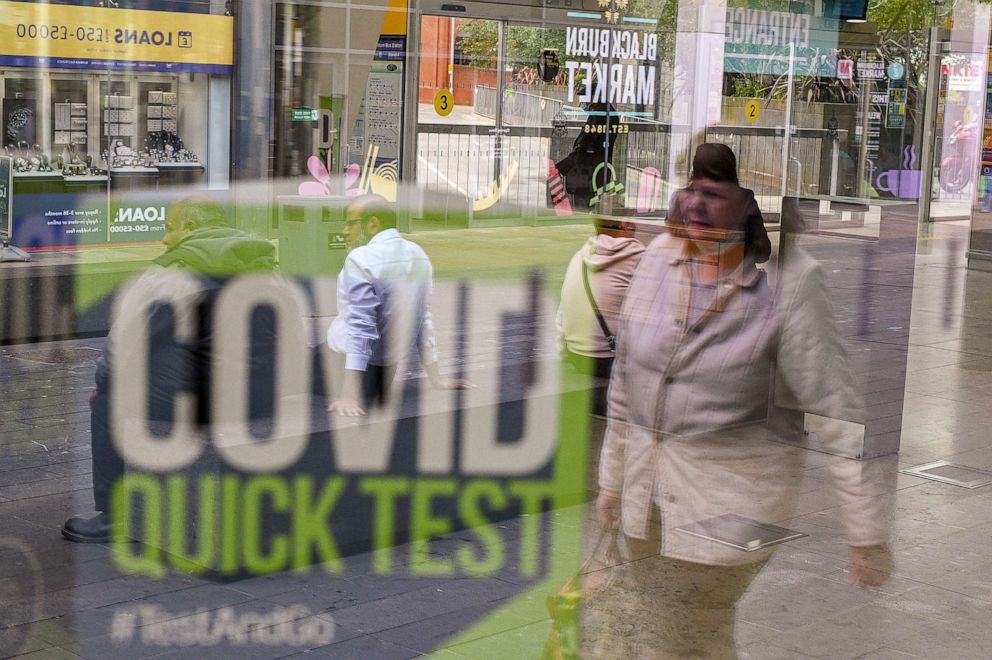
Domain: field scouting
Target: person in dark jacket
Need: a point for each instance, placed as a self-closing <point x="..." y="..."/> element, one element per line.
<point x="199" y="241"/>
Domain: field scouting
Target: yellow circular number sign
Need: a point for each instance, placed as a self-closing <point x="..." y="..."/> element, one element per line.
<point x="752" y="110"/>
<point x="444" y="102"/>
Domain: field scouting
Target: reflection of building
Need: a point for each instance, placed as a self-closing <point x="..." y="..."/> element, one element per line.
<point x="91" y="103"/>
<point x="329" y="82"/>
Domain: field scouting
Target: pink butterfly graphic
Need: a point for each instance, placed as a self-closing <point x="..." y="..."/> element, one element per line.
<point x="322" y="183"/>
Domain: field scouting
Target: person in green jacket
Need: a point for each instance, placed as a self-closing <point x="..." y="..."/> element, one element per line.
<point x="199" y="241"/>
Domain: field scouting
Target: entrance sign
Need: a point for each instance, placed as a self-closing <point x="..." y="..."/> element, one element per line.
<point x="444" y="102"/>
<point x="74" y="37"/>
<point x="760" y="41"/>
<point x="752" y="110"/>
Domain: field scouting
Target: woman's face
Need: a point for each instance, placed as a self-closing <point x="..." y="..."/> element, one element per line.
<point x="712" y="211"/>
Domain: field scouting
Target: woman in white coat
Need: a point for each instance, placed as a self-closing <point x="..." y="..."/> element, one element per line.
<point x="716" y="368"/>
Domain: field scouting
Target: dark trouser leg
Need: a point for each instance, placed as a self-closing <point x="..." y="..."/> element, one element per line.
<point x="376" y="382"/>
<point x="108" y="466"/>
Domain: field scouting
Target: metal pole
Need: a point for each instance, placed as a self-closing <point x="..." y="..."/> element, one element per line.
<point x="451" y="58"/>
<point x="866" y="90"/>
<point x="788" y="121"/>
<point x="930" y="125"/>
<point x="500" y="85"/>
<point x="834" y="164"/>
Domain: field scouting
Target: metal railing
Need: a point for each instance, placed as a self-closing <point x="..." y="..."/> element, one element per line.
<point x="814" y="164"/>
<point x="519" y="108"/>
<point x="649" y="158"/>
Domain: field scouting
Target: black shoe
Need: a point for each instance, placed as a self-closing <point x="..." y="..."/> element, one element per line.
<point x="95" y="529"/>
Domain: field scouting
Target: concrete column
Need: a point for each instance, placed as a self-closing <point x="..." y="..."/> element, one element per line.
<point x="698" y="92"/>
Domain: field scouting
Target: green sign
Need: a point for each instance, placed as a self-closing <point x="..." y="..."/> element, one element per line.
<point x="303" y="114"/>
<point x="6" y="193"/>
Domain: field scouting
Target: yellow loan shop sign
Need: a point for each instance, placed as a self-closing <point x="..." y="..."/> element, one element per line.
<point x="60" y="36"/>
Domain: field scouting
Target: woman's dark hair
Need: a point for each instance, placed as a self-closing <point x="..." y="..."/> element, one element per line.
<point x="715" y="162"/>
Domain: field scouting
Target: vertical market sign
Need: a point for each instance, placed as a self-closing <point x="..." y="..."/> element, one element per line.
<point x="71" y="37"/>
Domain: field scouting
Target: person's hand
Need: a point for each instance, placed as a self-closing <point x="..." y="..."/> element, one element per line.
<point x="608" y="509"/>
<point x="870" y="566"/>
<point x="346" y="407"/>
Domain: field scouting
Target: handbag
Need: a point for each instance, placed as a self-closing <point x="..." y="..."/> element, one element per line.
<point x="564" y="638"/>
<point x="610" y="337"/>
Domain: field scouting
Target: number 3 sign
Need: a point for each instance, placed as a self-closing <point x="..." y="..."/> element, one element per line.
<point x="443" y="102"/>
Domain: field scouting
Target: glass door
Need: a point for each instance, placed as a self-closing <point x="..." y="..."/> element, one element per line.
<point x="539" y="121"/>
<point x="459" y="114"/>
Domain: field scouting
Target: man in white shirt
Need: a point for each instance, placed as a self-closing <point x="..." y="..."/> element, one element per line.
<point x="383" y="297"/>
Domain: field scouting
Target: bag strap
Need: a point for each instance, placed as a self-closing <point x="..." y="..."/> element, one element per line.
<point x="610" y="337"/>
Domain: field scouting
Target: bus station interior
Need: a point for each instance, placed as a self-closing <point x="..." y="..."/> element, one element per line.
<point x="864" y="143"/>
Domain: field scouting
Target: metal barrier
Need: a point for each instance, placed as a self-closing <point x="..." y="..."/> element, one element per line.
<point x="461" y="159"/>
<point x="519" y="108"/>
<point x="814" y="158"/>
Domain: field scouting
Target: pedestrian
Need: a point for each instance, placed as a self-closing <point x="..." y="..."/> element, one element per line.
<point x="383" y="296"/>
<point x="715" y="372"/>
<point x="592" y="294"/>
<point x="199" y="241"/>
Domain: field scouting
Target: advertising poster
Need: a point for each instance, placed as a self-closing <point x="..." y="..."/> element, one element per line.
<point x="70" y="37"/>
<point x="58" y="220"/>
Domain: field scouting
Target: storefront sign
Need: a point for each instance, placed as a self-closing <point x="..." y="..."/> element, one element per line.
<point x="871" y="70"/>
<point x="845" y="69"/>
<point x="963" y="75"/>
<point x="762" y="41"/>
<point x="47" y="220"/>
<point x="611" y="83"/>
<point x="59" y="36"/>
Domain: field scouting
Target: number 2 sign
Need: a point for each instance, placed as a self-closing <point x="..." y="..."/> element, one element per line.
<point x="752" y="110"/>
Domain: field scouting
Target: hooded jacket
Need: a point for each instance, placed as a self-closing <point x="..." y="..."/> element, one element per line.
<point x="220" y="251"/>
<point x="610" y="262"/>
<point x="211" y="255"/>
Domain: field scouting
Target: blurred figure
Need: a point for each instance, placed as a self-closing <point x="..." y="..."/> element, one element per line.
<point x="592" y="294"/>
<point x="383" y="297"/>
<point x="592" y="148"/>
<point x="715" y="370"/>
<point x="198" y="240"/>
<point x="718" y="163"/>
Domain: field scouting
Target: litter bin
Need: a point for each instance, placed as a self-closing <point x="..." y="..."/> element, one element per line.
<point x="311" y="235"/>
